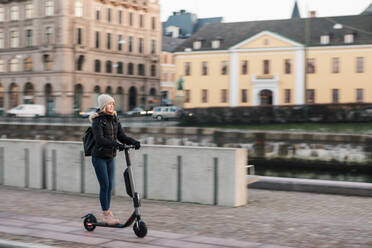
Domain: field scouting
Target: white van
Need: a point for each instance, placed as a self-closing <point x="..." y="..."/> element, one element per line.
<point x="27" y="110"/>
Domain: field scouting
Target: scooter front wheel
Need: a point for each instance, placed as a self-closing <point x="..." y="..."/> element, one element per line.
<point x="88" y="222"/>
<point x="140" y="229"/>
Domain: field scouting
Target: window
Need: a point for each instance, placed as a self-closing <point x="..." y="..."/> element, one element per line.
<point x="287" y="96"/>
<point x="79" y="36"/>
<point x="216" y="44"/>
<point x="131" y="19"/>
<point x="224" y="68"/>
<point x="287" y="66"/>
<point x="187" y="68"/>
<point x="108" y="41"/>
<point x="97" y="65"/>
<point x="48" y="35"/>
<point x="14" y="13"/>
<point x="204" y="96"/>
<point x="130" y="45"/>
<point x="360" y="64"/>
<point x="204" y="68"/>
<point x="153" y="23"/>
<point x="359" y="95"/>
<point x="244" y="96"/>
<point x="97" y="39"/>
<point x="48" y="62"/>
<point x="335" y="95"/>
<point x="108" y="66"/>
<point x="28" y="64"/>
<point x="14" y="39"/>
<point x="224" y="96"/>
<point x="140" y="45"/>
<point x="120" y="42"/>
<point x="244" y="67"/>
<point x="1" y="39"/>
<point x="141" y="21"/>
<point x="266" y="66"/>
<point x="108" y="14"/>
<point x="153" y="70"/>
<point x="310" y="65"/>
<point x="120" y="17"/>
<point x="130" y="69"/>
<point x="187" y="96"/>
<point x="29" y="10"/>
<point x="28" y="38"/>
<point x="141" y="69"/>
<point x="324" y="39"/>
<point x="310" y="96"/>
<point x="120" y="68"/>
<point x="2" y="67"/>
<point x="349" y="38"/>
<point x="13" y="65"/>
<point x="98" y="12"/>
<point x="79" y="63"/>
<point x="197" y="45"/>
<point x="335" y="65"/>
<point x="49" y="7"/>
<point x="153" y="46"/>
<point x="79" y="9"/>
<point x="2" y="14"/>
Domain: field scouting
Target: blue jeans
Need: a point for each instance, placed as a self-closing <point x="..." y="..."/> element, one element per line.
<point x="105" y="174"/>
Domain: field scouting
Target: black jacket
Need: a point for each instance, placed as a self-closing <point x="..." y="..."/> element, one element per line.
<point x="107" y="131"/>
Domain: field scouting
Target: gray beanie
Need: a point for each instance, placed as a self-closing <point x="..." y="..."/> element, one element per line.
<point x="103" y="100"/>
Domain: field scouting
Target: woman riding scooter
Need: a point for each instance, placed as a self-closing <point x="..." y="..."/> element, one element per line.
<point x="106" y="131"/>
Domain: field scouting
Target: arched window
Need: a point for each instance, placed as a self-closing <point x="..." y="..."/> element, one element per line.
<point x="2" y="67"/>
<point x="108" y="66"/>
<point x="130" y="69"/>
<point x="48" y="62"/>
<point x="97" y="65"/>
<point x="28" y="64"/>
<point x="141" y="69"/>
<point x="120" y="67"/>
<point x="108" y="90"/>
<point x="13" y="95"/>
<point x="28" y="94"/>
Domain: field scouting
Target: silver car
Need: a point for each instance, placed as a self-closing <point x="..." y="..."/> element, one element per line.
<point x="168" y="112"/>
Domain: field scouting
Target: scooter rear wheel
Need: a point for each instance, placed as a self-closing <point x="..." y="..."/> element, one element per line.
<point x="88" y="223"/>
<point x="140" y="229"/>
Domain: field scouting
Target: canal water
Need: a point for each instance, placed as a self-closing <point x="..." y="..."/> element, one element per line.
<point x="313" y="171"/>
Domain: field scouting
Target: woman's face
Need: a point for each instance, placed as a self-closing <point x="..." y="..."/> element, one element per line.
<point x="110" y="108"/>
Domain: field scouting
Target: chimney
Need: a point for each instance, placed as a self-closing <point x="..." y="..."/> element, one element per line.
<point x="312" y="14"/>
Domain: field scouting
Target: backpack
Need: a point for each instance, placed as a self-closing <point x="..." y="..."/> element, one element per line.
<point x="88" y="142"/>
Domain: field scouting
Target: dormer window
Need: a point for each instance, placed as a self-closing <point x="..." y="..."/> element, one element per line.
<point x="216" y="44"/>
<point x="324" y="39"/>
<point x="197" y="44"/>
<point x="349" y="38"/>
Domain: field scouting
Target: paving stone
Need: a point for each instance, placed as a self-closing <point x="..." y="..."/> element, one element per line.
<point x="87" y="239"/>
<point x="120" y="244"/>
<point x="181" y="244"/>
<point x="221" y="242"/>
<point x="15" y="230"/>
<point x="38" y="219"/>
<point x="55" y="227"/>
<point x="14" y="222"/>
<point x="166" y="235"/>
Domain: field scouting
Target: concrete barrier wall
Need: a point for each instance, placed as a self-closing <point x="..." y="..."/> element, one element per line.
<point x="185" y="174"/>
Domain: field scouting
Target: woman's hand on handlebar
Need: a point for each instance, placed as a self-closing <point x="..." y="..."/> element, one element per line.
<point x="122" y="147"/>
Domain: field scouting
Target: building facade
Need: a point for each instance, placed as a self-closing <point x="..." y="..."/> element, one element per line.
<point x="63" y="53"/>
<point x="278" y="62"/>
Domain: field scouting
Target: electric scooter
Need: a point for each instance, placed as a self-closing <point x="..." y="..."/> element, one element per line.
<point x="139" y="227"/>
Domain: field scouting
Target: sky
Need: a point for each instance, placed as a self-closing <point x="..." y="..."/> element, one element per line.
<point x="250" y="10"/>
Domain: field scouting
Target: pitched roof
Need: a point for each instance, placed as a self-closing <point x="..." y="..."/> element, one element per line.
<point x="169" y="44"/>
<point x="368" y="10"/>
<point x="294" y="29"/>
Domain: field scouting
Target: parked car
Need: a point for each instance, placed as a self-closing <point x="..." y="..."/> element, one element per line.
<point x="88" y="112"/>
<point x="27" y="110"/>
<point x="135" y="112"/>
<point x="168" y="112"/>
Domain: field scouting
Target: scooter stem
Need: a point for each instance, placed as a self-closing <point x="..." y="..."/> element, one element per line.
<point x="127" y="157"/>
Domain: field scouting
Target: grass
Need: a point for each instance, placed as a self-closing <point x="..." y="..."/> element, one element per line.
<point x="358" y="128"/>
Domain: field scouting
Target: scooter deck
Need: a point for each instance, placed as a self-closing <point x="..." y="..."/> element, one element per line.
<point x="107" y="225"/>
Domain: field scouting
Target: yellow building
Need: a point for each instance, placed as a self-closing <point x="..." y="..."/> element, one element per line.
<point x="264" y="62"/>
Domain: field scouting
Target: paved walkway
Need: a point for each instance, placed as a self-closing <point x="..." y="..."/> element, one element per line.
<point x="272" y="219"/>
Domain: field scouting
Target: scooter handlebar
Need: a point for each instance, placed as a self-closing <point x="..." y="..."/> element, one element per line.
<point x="125" y="147"/>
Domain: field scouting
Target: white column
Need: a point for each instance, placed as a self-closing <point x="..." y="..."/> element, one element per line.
<point x="300" y="77"/>
<point x="234" y="79"/>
